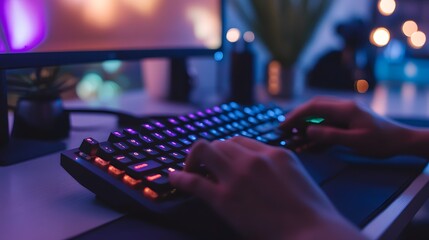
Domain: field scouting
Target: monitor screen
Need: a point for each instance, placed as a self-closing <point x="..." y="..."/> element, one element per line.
<point x="37" y="33"/>
<point x="46" y="32"/>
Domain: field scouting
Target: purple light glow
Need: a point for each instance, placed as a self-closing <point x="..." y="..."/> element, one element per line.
<point x="25" y="26"/>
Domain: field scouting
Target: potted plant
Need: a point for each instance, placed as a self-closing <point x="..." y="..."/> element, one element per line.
<point x="39" y="111"/>
<point x="284" y="27"/>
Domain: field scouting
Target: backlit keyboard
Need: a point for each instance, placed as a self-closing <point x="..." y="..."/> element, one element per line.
<point x="131" y="168"/>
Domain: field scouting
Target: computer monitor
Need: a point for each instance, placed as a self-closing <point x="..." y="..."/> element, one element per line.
<point x="37" y="33"/>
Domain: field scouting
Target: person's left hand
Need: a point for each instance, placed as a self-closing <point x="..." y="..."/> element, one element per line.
<point x="263" y="192"/>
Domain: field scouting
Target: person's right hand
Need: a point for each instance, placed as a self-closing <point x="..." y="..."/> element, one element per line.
<point x="349" y="124"/>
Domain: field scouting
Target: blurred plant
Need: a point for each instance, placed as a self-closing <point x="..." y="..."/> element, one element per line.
<point x="43" y="83"/>
<point x="283" y="26"/>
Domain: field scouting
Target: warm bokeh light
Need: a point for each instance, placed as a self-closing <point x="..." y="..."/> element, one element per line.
<point x="146" y="7"/>
<point x="206" y="27"/>
<point x="417" y="40"/>
<point x="380" y="37"/>
<point x="409" y="27"/>
<point x="362" y="86"/>
<point x="101" y="13"/>
<point x="233" y="35"/>
<point x="274" y="78"/>
<point x="386" y="7"/>
<point x="249" y="36"/>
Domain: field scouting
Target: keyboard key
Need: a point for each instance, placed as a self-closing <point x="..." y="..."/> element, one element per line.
<point x="190" y="127"/>
<point x="158" y="136"/>
<point x="130" y="132"/>
<point x="159" y="124"/>
<point x="177" y="156"/>
<point x="148" y="127"/>
<point x="165" y="160"/>
<point x="200" y="125"/>
<point x="134" y="143"/>
<point x="201" y="114"/>
<point x="175" y="144"/>
<point x="183" y="119"/>
<point x="163" y="147"/>
<point x="142" y="168"/>
<point x="206" y="135"/>
<point x="89" y="146"/>
<point x="116" y="136"/>
<point x="217" y="109"/>
<point x="180" y="130"/>
<point x="121" y="146"/>
<point x="146" y="139"/>
<point x="150" y="151"/>
<point x="185" y="141"/>
<point x="192" y="116"/>
<point x="137" y="156"/>
<point x="173" y="121"/>
<point x="121" y="161"/>
<point x="105" y="151"/>
<point x="115" y="172"/>
<point x="158" y="182"/>
<point x="170" y="133"/>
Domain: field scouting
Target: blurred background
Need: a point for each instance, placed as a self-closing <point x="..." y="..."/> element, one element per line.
<point x="366" y="47"/>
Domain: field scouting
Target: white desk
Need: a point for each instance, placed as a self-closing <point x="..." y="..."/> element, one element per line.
<point x="41" y="201"/>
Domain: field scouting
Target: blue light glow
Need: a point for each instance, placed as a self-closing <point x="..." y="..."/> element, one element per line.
<point x="218" y="56"/>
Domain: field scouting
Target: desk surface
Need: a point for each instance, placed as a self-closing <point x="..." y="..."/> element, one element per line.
<point x="41" y="201"/>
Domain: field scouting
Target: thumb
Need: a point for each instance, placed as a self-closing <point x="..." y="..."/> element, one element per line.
<point x="329" y="135"/>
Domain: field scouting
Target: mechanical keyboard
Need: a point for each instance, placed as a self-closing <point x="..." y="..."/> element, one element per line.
<point x="134" y="163"/>
<point x="130" y="170"/>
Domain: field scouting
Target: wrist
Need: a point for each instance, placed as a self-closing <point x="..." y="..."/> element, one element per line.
<point x="331" y="227"/>
<point x="415" y="142"/>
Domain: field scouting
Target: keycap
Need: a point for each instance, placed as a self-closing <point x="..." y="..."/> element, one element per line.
<point x="89" y="146"/>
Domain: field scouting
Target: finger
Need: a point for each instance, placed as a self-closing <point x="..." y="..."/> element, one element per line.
<point x="333" y="110"/>
<point x="331" y="135"/>
<point x="249" y="143"/>
<point x="193" y="184"/>
<point x="202" y="153"/>
<point x="230" y="149"/>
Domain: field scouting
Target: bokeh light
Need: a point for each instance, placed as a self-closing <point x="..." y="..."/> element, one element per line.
<point x="410" y="70"/>
<point x="361" y="86"/>
<point x="249" y="36"/>
<point x="417" y="40"/>
<point x="386" y="7"/>
<point x="380" y="37"/>
<point x="233" y="35"/>
<point x="109" y="90"/>
<point x="409" y="27"/>
<point x="218" y="56"/>
<point x="205" y="26"/>
<point x="274" y="77"/>
<point x="111" y="66"/>
<point x="87" y="89"/>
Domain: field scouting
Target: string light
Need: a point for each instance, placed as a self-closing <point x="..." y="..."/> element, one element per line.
<point x="233" y="35"/>
<point x="386" y="7"/>
<point x="380" y="37"/>
<point x="417" y="40"/>
<point x="409" y="27"/>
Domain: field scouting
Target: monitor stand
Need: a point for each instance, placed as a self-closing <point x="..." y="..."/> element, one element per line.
<point x="180" y="80"/>
<point x="14" y="150"/>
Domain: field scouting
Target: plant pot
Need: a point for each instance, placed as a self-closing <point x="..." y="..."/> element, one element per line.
<point x="40" y="118"/>
<point x="280" y="80"/>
